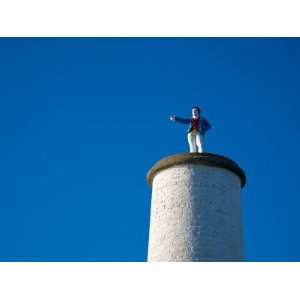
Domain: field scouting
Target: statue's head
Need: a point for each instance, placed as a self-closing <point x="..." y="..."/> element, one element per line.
<point x="196" y="111"/>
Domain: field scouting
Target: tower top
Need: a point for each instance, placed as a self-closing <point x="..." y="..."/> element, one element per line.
<point x="207" y="159"/>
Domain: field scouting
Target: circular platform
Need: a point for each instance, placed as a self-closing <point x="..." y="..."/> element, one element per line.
<point x="207" y="159"/>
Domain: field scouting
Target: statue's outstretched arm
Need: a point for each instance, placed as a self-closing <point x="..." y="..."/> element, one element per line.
<point x="180" y="120"/>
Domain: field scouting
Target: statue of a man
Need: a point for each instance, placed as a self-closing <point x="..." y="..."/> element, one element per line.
<point x="198" y="126"/>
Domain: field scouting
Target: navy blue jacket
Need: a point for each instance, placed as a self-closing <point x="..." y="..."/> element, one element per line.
<point x="204" y="124"/>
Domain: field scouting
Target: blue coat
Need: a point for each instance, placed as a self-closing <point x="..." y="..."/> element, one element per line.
<point x="204" y="124"/>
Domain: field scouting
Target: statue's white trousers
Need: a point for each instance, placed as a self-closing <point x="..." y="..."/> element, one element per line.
<point x="195" y="140"/>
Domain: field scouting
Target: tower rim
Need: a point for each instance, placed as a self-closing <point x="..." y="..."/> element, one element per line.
<point x="206" y="159"/>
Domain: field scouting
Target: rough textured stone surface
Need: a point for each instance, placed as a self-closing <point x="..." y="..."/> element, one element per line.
<point x="196" y="215"/>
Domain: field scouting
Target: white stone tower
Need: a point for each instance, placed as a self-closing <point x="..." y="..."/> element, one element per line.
<point x="196" y="209"/>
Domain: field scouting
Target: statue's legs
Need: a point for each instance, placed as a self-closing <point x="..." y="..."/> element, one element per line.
<point x="195" y="140"/>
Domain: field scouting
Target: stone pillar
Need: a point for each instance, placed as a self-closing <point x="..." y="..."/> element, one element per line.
<point x="196" y="209"/>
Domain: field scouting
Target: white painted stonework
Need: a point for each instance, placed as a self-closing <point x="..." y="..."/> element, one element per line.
<point x="196" y="215"/>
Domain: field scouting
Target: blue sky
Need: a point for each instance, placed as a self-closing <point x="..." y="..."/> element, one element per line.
<point x="83" y="120"/>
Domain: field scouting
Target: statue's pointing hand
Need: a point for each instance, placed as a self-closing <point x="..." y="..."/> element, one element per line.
<point x="172" y="118"/>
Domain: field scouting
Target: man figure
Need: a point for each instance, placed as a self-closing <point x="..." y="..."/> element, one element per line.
<point x="198" y="126"/>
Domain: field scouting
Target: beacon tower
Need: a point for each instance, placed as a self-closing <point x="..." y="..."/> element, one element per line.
<point x="196" y="209"/>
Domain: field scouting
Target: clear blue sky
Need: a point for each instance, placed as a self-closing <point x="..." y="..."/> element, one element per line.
<point x="82" y="121"/>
